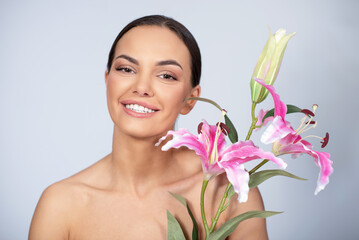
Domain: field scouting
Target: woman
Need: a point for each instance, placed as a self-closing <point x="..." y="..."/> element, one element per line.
<point x="154" y="65"/>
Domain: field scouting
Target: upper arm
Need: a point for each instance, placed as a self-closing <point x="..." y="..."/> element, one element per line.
<point x="50" y="217"/>
<point x="254" y="228"/>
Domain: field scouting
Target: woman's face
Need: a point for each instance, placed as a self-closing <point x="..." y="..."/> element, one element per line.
<point x="149" y="80"/>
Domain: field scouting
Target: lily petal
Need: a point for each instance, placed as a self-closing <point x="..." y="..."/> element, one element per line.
<point x="239" y="178"/>
<point x="321" y="159"/>
<point x="184" y="138"/>
<point x="278" y="129"/>
<point x="280" y="109"/>
<point x="243" y="152"/>
<point x="260" y="116"/>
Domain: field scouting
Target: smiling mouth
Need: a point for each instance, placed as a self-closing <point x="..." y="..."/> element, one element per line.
<point x="139" y="109"/>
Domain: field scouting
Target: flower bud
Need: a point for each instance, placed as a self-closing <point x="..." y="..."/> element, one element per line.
<point x="268" y="64"/>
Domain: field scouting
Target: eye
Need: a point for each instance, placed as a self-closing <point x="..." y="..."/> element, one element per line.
<point x="167" y="76"/>
<point x="124" y="69"/>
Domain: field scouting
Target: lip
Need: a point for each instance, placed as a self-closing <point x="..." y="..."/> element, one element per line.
<point x="137" y="114"/>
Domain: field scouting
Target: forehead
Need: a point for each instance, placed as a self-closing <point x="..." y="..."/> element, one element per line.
<point x="153" y="43"/>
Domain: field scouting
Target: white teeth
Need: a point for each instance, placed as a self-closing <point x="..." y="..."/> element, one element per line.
<point x="139" y="108"/>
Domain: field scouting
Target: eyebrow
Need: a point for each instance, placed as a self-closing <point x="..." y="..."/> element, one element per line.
<point x="128" y="58"/>
<point x="169" y="62"/>
<point x="160" y="63"/>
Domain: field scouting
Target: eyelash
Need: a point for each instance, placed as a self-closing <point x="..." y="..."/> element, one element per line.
<point x="129" y="70"/>
<point x="167" y="76"/>
<point x="124" y="69"/>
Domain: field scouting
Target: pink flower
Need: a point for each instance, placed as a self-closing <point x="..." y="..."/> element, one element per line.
<point x="209" y="145"/>
<point x="286" y="140"/>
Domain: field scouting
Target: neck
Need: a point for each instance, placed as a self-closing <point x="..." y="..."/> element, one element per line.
<point x="137" y="165"/>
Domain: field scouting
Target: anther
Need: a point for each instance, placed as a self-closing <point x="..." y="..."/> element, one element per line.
<point x="223" y="127"/>
<point x="199" y="129"/>
<point x="325" y="140"/>
<point x="311" y="122"/>
<point x="308" y="112"/>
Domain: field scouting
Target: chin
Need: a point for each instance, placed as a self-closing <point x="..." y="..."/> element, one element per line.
<point x="143" y="132"/>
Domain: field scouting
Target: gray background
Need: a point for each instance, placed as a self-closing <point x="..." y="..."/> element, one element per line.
<point x="54" y="120"/>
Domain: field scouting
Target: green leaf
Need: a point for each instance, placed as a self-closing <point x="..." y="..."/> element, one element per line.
<point x="179" y="198"/>
<point x="174" y="231"/>
<point x="228" y="227"/>
<point x="259" y="177"/>
<point x="270" y="113"/>
<point x="184" y="203"/>
<point x="293" y="109"/>
<point x="290" y="109"/>
<point x="233" y="136"/>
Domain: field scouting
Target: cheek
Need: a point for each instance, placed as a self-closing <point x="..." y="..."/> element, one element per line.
<point x="173" y="98"/>
<point x="110" y="87"/>
<point x="110" y="94"/>
<point x="115" y="87"/>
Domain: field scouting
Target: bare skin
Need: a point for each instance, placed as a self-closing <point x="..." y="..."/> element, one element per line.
<point x="125" y="194"/>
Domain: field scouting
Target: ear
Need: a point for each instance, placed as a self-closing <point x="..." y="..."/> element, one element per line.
<point x="188" y="105"/>
<point x="106" y="77"/>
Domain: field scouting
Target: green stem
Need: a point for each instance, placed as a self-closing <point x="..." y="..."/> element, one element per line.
<point x="254" y="121"/>
<point x="206" y="100"/>
<point x="220" y="208"/>
<point x="258" y="166"/>
<point x="253" y="126"/>
<point x="204" y="220"/>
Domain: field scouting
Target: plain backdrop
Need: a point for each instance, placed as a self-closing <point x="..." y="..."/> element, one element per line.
<point x="53" y="114"/>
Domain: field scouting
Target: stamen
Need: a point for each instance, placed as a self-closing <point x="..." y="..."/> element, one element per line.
<point x="310" y="136"/>
<point x="214" y="154"/>
<point x="308" y="112"/>
<point x="301" y="123"/>
<point x="325" y="140"/>
<point x="306" y="129"/>
<point x="199" y="129"/>
<point x="223" y="127"/>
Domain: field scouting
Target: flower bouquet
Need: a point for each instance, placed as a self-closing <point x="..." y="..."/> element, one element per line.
<point x="216" y="158"/>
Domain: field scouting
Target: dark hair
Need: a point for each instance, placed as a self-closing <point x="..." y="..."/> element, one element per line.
<point x="181" y="31"/>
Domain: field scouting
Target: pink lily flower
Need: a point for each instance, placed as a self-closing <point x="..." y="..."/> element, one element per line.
<point x="286" y="140"/>
<point x="209" y="145"/>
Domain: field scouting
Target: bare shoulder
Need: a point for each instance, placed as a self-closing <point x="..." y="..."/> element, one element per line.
<point x="52" y="215"/>
<point x="59" y="205"/>
<point x="254" y="228"/>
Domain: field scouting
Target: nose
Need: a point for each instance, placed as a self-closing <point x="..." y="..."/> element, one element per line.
<point x="142" y="86"/>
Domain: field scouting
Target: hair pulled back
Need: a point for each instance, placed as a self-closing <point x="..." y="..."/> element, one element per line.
<point x="182" y="32"/>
